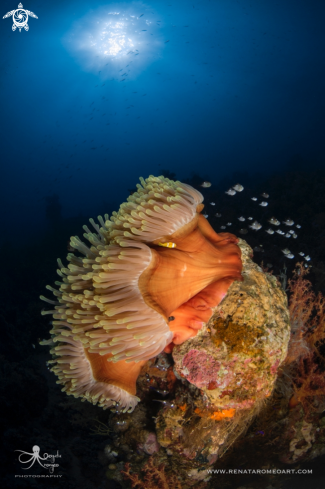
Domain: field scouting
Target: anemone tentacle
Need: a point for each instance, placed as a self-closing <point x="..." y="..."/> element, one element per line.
<point x="154" y="258"/>
<point x="99" y="308"/>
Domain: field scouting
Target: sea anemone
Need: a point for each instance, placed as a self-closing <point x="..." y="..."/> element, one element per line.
<point x="149" y="280"/>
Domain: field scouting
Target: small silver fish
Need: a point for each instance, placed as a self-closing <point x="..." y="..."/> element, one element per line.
<point x="307" y="258"/>
<point x="270" y="231"/>
<point x="288" y="222"/>
<point x="288" y="235"/>
<point x="205" y="184"/>
<point x="212" y="203"/>
<point x="250" y="218"/>
<point x="230" y="192"/>
<point x="266" y="196"/>
<point x="206" y="216"/>
<point x="241" y="218"/>
<point x="243" y="231"/>
<point x="229" y="223"/>
<point x="218" y="214"/>
<point x="274" y="221"/>
<point x="256" y="226"/>
<point x="166" y="403"/>
<point x="286" y="251"/>
<point x="290" y="255"/>
<point x="298" y="226"/>
<point x="291" y="231"/>
<point x="258" y="249"/>
<point x="238" y="187"/>
<point x="295" y="236"/>
<point x="222" y="227"/>
<point x="301" y="253"/>
<point x="254" y="198"/>
<point x="263" y="204"/>
<point x="162" y="392"/>
<point x="279" y="231"/>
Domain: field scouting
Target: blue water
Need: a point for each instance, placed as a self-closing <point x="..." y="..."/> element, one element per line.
<point x="96" y="94"/>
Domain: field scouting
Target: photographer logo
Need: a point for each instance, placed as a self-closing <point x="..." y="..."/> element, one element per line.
<point x="20" y="18"/>
<point x="47" y="461"/>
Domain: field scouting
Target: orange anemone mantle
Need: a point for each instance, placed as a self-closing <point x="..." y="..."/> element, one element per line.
<point x="184" y="283"/>
<point x="150" y="279"/>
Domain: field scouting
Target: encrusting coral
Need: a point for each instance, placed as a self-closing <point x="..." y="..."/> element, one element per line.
<point x="149" y="280"/>
<point x="233" y="362"/>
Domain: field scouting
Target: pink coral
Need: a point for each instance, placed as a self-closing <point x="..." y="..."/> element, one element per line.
<point x="203" y="370"/>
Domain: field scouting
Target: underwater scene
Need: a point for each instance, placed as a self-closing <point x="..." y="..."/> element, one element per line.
<point x="162" y="286"/>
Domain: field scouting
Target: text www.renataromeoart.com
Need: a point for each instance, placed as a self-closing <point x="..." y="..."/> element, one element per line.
<point x="260" y="471"/>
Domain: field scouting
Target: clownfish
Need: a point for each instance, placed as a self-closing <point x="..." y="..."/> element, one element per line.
<point x="168" y="245"/>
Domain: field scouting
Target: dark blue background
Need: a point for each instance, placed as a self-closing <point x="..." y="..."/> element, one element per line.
<point x="239" y="86"/>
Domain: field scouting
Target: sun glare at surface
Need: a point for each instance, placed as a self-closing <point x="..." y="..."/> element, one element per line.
<point x="106" y="38"/>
